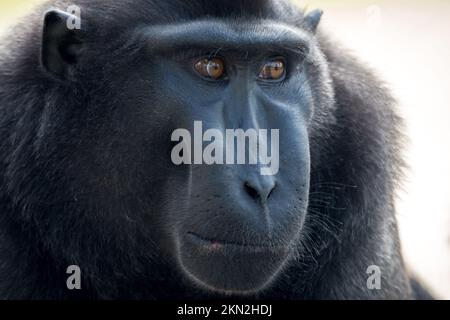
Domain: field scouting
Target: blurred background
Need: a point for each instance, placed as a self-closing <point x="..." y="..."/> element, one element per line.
<point x="408" y="44"/>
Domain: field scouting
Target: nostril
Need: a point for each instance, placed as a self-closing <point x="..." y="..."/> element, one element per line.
<point x="252" y="192"/>
<point x="271" y="191"/>
<point x="262" y="193"/>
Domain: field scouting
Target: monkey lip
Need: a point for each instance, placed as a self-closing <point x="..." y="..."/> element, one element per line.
<point x="228" y="266"/>
<point x="215" y="245"/>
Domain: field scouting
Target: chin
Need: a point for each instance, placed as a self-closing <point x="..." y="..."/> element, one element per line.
<point x="230" y="267"/>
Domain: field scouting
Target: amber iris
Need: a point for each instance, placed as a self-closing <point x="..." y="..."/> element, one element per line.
<point x="213" y="68"/>
<point x="273" y="70"/>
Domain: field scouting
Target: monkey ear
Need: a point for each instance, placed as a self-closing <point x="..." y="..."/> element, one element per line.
<point x="61" y="43"/>
<point x="312" y="19"/>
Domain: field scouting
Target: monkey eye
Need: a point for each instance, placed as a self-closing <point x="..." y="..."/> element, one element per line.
<point x="211" y="68"/>
<point x="273" y="70"/>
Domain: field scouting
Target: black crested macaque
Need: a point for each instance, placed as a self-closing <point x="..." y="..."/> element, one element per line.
<point x="87" y="179"/>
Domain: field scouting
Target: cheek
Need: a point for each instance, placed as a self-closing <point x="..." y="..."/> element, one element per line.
<point x="293" y="181"/>
<point x="298" y="98"/>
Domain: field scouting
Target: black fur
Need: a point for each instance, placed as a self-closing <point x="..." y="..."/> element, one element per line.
<point x="73" y="188"/>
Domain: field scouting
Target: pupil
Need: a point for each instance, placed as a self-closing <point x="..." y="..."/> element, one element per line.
<point x="212" y="67"/>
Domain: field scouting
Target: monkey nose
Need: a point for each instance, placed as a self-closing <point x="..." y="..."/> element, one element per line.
<point x="260" y="190"/>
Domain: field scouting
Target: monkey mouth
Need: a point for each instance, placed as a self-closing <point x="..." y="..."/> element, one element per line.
<point x="229" y="266"/>
<point x="217" y="245"/>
